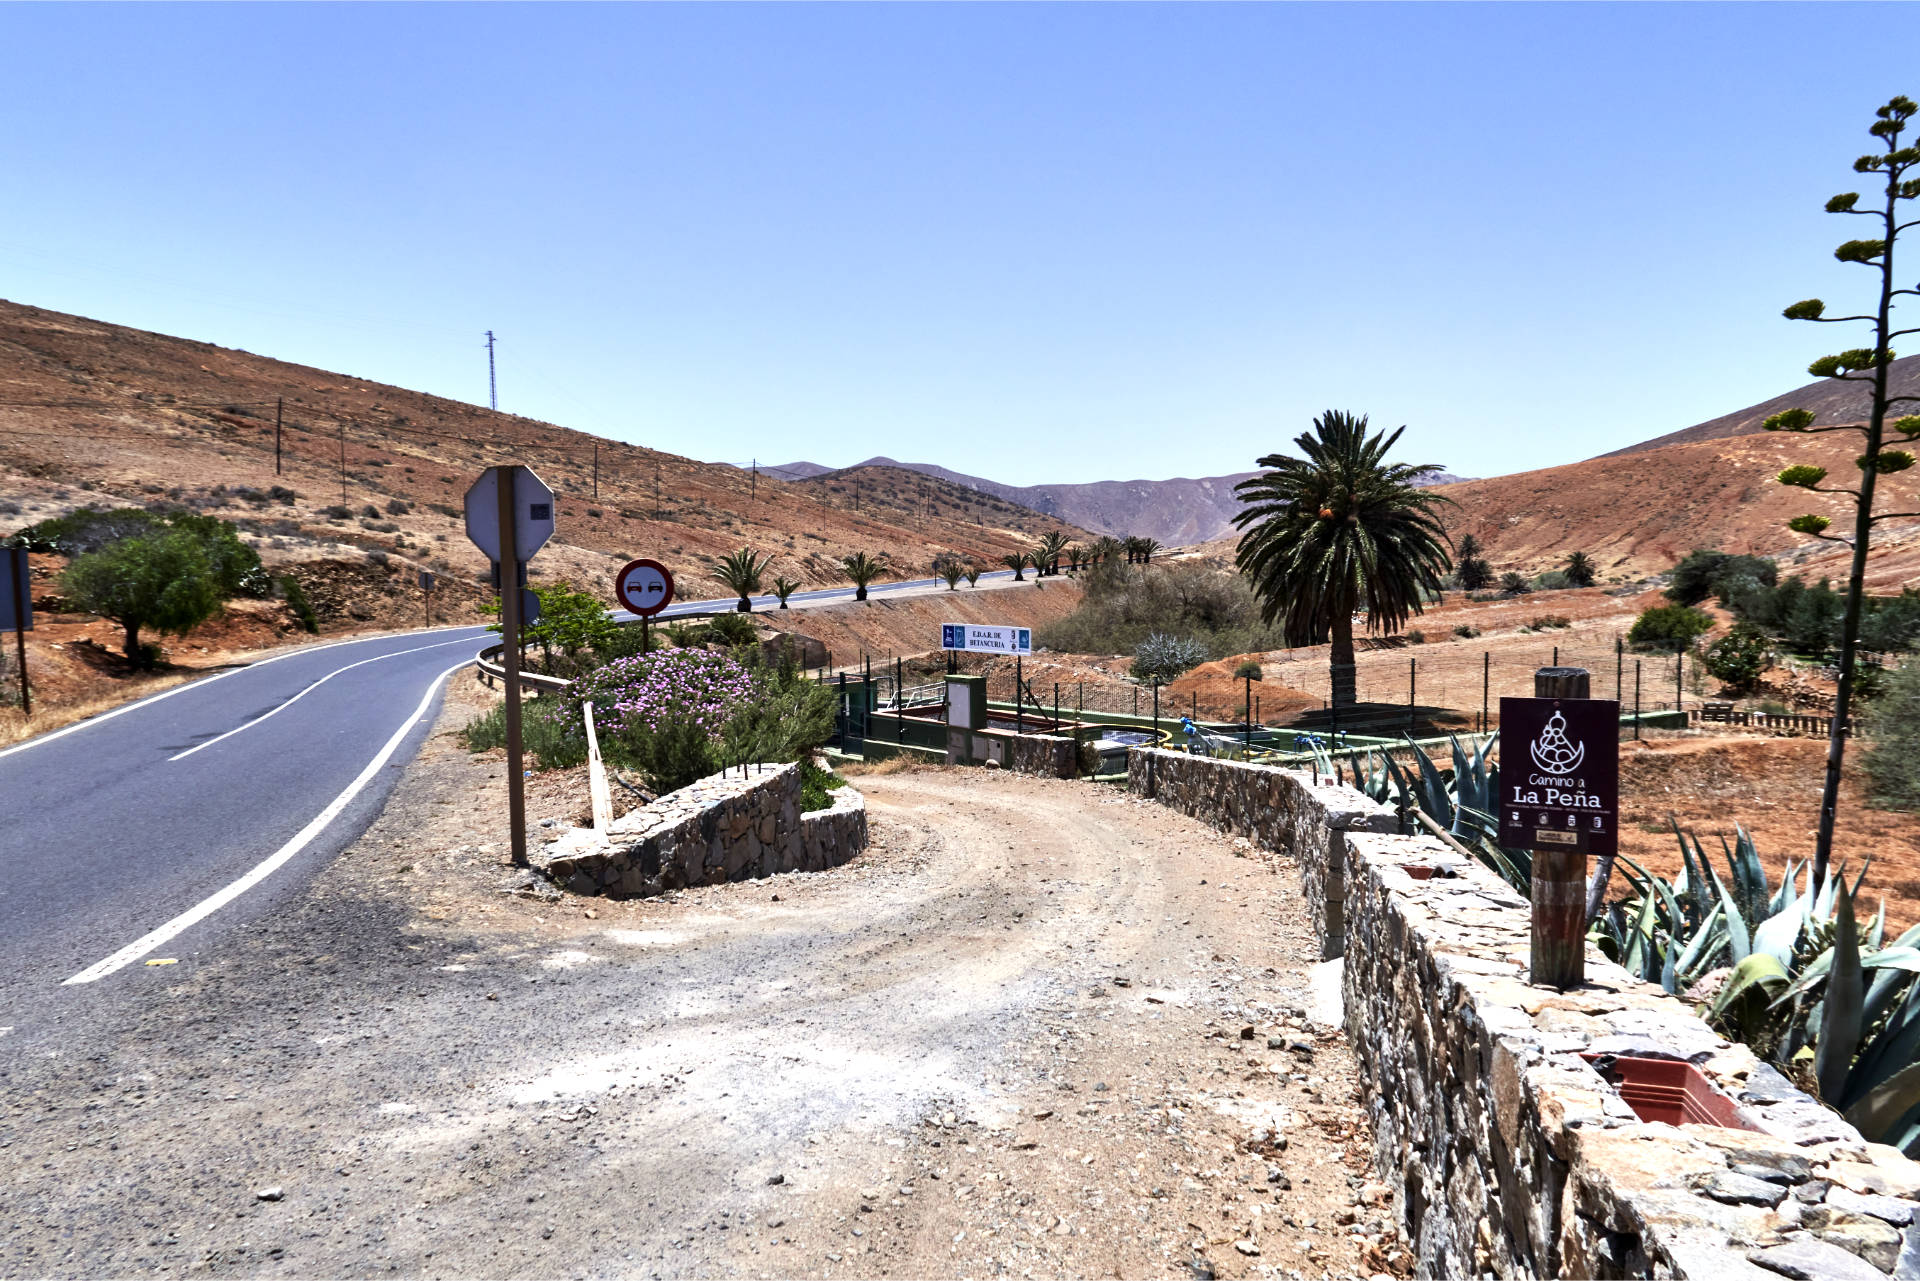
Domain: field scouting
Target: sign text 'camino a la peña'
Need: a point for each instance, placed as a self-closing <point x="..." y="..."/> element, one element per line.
<point x="986" y="640"/>
<point x="1560" y="774"/>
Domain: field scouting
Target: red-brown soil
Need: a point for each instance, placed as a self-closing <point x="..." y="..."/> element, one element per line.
<point x="1770" y="787"/>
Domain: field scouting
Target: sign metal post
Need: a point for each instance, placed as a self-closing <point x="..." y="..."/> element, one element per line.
<point x="20" y="601"/>
<point x="510" y="517"/>
<point x="1560" y="784"/>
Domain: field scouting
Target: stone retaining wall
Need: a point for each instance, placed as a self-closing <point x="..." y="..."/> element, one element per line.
<point x="1509" y="1153"/>
<point x="727" y="827"/>
<point x="1278" y="809"/>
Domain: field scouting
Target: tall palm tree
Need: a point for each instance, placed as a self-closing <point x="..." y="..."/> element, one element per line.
<point x="1580" y="569"/>
<point x="1104" y="549"/>
<point x="1148" y="546"/>
<point x="741" y="572"/>
<point x="1337" y="530"/>
<point x="1017" y="561"/>
<point x="1046" y="556"/>
<point x="862" y="569"/>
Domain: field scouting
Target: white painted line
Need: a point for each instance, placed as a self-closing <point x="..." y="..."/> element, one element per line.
<point x="377" y="658"/>
<point x="273" y="862"/>
<point x="188" y="688"/>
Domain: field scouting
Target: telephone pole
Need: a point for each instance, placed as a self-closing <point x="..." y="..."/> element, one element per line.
<point x="493" y="391"/>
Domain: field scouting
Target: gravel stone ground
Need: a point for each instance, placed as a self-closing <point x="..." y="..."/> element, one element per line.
<point x="1039" y="1029"/>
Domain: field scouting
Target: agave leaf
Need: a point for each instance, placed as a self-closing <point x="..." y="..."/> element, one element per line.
<point x="1855" y="891"/>
<point x="1839" y="1035"/>
<point x="1640" y="939"/>
<point x="1669" y="972"/>
<point x="1435" y="798"/>
<point x="1783" y="897"/>
<point x="1878" y="928"/>
<point x="1737" y="938"/>
<point x="1778" y="934"/>
<point x="1704" y="943"/>
<point x="1886" y="1103"/>
<point x="1759" y="970"/>
<point x="1892" y="1048"/>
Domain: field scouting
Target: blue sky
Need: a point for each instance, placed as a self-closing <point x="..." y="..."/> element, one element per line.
<point x="1036" y="243"/>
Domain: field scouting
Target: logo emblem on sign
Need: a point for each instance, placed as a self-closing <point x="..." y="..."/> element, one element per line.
<point x="1553" y="752"/>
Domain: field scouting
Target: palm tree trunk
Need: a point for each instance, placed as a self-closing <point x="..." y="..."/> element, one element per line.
<point x="1344" y="685"/>
<point x="860" y="592"/>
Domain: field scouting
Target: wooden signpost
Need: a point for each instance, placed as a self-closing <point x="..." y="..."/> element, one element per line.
<point x="1560" y="798"/>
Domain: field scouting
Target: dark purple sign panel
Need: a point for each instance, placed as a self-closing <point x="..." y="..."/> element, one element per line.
<point x="1560" y="774"/>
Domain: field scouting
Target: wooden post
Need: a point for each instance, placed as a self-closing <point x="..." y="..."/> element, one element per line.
<point x="1559" y="938"/>
<point x="1019" y="702"/>
<point x="1486" y="682"/>
<point x="1413" y="672"/>
<point x="504" y="478"/>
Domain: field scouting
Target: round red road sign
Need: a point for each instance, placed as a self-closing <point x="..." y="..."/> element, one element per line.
<point x="644" y="586"/>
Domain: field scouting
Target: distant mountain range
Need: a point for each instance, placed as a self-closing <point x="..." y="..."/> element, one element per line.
<point x="1176" y="512"/>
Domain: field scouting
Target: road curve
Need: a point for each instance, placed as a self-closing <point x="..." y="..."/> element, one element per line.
<point x="119" y="825"/>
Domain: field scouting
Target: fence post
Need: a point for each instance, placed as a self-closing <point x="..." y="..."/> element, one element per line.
<point x="1019" y="703"/>
<point x="1679" y="691"/>
<point x="1636" y="700"/>
<point x="1619" y="662"/>
<point x="1412" y="674"/>
<point x="1559" y="938"/>
<point x="1486" y="679"/>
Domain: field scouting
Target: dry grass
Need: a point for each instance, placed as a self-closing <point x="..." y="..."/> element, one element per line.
<point x="16" y="726"/>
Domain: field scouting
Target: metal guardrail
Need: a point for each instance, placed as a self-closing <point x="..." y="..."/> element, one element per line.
<point x="488" y="670"/>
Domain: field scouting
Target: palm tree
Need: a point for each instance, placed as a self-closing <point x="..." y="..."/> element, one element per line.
<point x="1335" y="531"/>
<point x="1581" y="571"/>
<point x="1046" y="556"/>
<point x="1017" y="561"/>
<point x="1075" y="554"/>
<point x="784" y="587"/>
<point x="1147" y="547"/>
<point x="740" y="573"/>
<point x="863" y="569"/>
<point x="1105" y="549"/>
<point x="953" y="572"/>
<point x="973" y="575"/>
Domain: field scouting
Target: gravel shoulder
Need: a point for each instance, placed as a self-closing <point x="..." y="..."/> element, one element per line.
<point x="1039" y="1029"/>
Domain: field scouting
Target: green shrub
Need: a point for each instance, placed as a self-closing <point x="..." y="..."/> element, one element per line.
<point x="817" y="786"/>
<point x="551" y="729"/>
<point x="1669" y="627"/>
<point x="1705" y="573"/>
<point x="1550" y="622"/>
<point x="1514" y="583"/>
<point x="731" y="629"/>
<point x="1123" y="605"/>
<point x="1466" y="631"/>
<point x="297" y="601"/>
<point x="1160" y="658"/>
<point x="1250" y="671"/>
<point x="1738" y="658"/>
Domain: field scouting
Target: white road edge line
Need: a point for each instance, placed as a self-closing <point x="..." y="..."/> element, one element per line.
<point x="273" y="862"/>
<point x="308" y="690"/>
<point x="187" y="688"/>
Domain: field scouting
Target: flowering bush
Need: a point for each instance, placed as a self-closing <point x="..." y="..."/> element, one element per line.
<point x="676" y="684"/>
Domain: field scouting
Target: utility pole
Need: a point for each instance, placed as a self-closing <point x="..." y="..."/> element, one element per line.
<point x="656" y="491"/>
<point x="279" y="409"/>
<point x="493" y="391"/>
<point x="504" y="479"/>
<point x="753" y="490"/>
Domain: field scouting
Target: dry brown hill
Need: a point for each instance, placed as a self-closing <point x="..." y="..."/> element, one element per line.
<point x="96" y="412"/>
<point x="1638" y="513"/>
<point x="1833" y="401"/>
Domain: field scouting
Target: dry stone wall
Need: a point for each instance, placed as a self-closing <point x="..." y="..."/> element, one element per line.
<point x="728" y="827"/>
<point x="1278" y="809"/>
<point x="1509" y="1153"/>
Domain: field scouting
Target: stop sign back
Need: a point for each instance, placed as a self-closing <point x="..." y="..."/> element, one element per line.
<point x="644" y="586"/>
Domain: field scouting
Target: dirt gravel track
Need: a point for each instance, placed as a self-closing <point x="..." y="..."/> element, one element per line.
<point x="1039" y="1029"/>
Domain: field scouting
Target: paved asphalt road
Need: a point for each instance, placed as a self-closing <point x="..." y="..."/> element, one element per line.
<point x="208" y="804"/>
